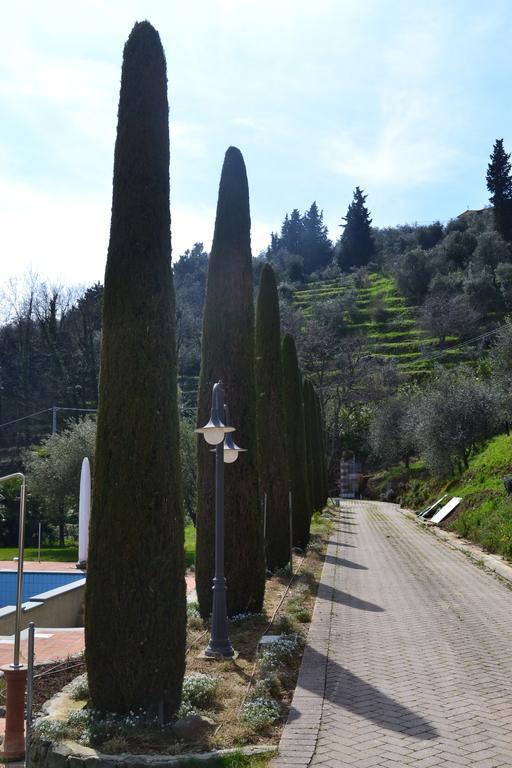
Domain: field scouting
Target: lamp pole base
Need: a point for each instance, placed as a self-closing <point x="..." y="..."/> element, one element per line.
<point x="209" y="655"/>
<point x="13" y="746"/>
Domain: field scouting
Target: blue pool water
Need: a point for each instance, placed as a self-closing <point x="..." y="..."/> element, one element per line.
<point x="33" y="584"/>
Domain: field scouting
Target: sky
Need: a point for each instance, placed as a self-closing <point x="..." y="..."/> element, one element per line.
<point x="404" y="99"/>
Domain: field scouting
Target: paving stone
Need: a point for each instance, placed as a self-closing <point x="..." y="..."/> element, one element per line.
<point x="408" y="656"/>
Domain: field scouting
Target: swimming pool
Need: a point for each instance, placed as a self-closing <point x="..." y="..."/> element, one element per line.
<point x="34" y="583"/>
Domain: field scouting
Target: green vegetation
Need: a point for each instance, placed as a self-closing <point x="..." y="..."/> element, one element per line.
<point x="135" y="617"/>
<point x="66" y="554"/>
<point x="386" y="319"/>
<point x="357" y="246"/>
<point x="485" y="513"/>
<point x="227" y="354"/>
<point x="190" y="545"/>
<point x="272" y="457"/>
<point x="296" y="444"/>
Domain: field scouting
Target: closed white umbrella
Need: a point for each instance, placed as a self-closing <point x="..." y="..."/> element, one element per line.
<point x="84" y="512"/>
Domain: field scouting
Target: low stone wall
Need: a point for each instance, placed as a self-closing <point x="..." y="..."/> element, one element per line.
<point x="69" y="754"/>
<point x="60" y="607"/>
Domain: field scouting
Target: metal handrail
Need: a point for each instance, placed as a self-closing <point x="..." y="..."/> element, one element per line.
<point x="21" y="552"/>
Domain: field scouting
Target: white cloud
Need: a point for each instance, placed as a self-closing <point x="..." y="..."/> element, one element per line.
<point x="406" y="148"/>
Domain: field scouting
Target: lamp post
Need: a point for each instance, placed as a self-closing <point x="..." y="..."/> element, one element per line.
<point x="218" y="433"/>
<point x="15" y="674"/>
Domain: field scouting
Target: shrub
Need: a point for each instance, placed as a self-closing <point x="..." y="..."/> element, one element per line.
<point x="89" y="726"/>
<point x="199" y="690"/>
<point x="267" y="687"/>
<point x="260" y="713"/>
<point x="79" y="688"/>
<point x="194" y="620"/>
<point x="278" y="654"/>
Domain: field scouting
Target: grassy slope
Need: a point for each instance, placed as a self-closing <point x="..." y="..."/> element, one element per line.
<point x="485" y="513"/>
<point x="397" y="337"/>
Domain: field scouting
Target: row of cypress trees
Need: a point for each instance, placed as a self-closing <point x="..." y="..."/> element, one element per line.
<point x="135" y="599"/>
<point x="268" y="399"/>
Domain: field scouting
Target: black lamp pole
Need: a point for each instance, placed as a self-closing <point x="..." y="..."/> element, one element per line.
<point x="218" y="433"/>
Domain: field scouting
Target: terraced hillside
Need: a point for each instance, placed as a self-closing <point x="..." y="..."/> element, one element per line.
<point x="389" y="323"/>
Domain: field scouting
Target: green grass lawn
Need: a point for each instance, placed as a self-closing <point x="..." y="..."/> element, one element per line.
<point x="69" y="554"/>
<point x="48" y="554"/>
<point x="190" y="545"/>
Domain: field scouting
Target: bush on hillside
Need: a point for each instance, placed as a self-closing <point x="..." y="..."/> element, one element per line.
<point x="453" y="417"/>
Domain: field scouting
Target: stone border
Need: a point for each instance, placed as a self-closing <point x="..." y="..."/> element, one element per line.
<point x="70" y="754"/>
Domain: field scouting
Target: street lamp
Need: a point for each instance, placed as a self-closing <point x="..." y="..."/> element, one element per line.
<point x="216" y="432"/>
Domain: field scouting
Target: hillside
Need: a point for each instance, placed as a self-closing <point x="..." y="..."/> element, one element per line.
<point x="388" y="321"/>
<point x="485" y="513"/>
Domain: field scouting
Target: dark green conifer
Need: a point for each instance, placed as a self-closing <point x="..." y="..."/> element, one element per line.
<point x="135" y="601"/>
<point x="309" y="425"/>
<point x="324" y="484"/>
<point x="273" y="465"/>
<point x="296" y="444"/>
<point x="320" y="490"/>
<point x="499" y="184"/>
<point x="356" y="246"/>
<point x="227" y="353"/>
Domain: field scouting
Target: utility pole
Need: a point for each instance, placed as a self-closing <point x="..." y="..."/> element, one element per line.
<point x="54" y="419"/>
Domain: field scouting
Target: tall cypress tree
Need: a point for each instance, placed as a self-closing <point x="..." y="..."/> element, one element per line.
<point x="307" y="397"/>
<point x="273" y="465"/>
<point x="227" y="353"/>
<point x="324" y="485"/>
<point x="135" y="599"/>
<point x="319" y="490"/>
<point x="356" y="247"/>
<point x="296" y="444"/>
<point x="499" y="184"/>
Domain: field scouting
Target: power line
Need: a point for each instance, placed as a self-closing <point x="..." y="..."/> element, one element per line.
<point x="46" y="410"/>
<point x="442" y="352"/>
<point x="22" y="418"/>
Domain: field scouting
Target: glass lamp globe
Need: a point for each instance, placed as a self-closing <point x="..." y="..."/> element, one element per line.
<point x="230" y="455"/>
<point x="214" y="435"/>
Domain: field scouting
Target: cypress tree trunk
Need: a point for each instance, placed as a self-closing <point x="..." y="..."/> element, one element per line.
<point x="273" y="466"/>
<point x="135" y="600"/>
<point x="227" y="353"/>
<point x="296" y="444"/>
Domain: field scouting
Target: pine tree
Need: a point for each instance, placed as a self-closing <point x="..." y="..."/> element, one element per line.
<point x="291" y="232"/>
<point x="227" y="354"/>
<point x="135" y="600"/>
<point x="272" y="458"/>
<point x="356" y="246"/>
<point x="296" y="444"/>
<point x="316" y="248"/>
<point x="499" y="184"/>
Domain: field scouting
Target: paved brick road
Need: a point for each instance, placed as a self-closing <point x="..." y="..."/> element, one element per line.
<point x="409" y="657"/>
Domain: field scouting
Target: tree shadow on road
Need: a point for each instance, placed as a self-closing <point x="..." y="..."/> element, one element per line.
<point x="326" y="592"/>
<point x="345" y="563"/>
<point x="346" y="690"/>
